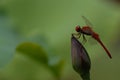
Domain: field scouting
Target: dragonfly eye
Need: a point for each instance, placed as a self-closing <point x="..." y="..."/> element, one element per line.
<point x="78" y="29"/>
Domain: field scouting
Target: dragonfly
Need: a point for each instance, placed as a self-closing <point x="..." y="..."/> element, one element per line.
<point x="87" y="30"/>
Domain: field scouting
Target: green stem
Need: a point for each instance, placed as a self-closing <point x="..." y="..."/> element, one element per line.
<point x="86" y="76"/>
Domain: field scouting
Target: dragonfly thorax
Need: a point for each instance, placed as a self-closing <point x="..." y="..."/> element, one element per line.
<point x="87" y="30"/>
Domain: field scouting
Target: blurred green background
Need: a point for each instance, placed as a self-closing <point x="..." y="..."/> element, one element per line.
<point x="35" y="38"/>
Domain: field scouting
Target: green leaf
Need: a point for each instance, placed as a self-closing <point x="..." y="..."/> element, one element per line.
<point x="33" y="51"/>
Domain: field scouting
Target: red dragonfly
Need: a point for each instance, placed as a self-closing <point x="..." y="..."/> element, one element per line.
<point x="87" y="30"/>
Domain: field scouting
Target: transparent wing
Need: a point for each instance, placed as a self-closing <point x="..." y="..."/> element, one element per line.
<point x="87" y="21"/>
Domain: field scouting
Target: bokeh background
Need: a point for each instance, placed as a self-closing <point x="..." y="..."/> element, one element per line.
<point x="35" y="38"/>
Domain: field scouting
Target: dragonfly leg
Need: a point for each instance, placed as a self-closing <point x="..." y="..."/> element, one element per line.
<point x="84" y="39"/>
<point x="77" y="35"/>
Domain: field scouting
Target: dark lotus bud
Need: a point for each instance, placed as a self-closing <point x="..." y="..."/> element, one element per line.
<point x="80" y="59"/>
<point x="117" y="2"/>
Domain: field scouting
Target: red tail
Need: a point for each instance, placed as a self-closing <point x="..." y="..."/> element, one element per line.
<point x="96" y="36"/>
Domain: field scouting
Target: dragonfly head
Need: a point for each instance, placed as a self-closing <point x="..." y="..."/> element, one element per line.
<point x="78" y="28"/>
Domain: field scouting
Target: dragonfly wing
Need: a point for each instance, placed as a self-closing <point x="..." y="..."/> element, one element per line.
<point x="87" y="21"/>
